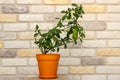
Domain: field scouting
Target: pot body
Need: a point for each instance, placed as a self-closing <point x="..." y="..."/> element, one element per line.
<point x="48" y="65"/>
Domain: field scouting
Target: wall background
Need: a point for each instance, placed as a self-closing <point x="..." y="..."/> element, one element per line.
<point x="98" y="58"/>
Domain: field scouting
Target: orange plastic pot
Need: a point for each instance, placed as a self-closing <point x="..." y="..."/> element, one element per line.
<point x="48" y="65"/>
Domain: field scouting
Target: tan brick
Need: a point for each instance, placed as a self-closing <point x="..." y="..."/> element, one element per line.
<point x="113" y="60"/>
<point x="108" y="69"/>
<point x="15" y="27"/>
<point x="8" y="18"/>
<point x="1" y="44"/>
<point x="114" y="43"/>
<point x="113" y="8"/>
<point x="82" y="70"/>
<point x="29" y="1"/>
<point x="114" y="77"/>
<point x="14" y="62"/>
<point x="28" y="70"/>
<point x="7" y="1"/>
<point x="108" y="34"/>
<point x="41" y="9"/>
<point x="82" y="1"/>
<point x="0" y="27"/>
<point x="108" y="52"/>
<point x="94" y="77"/>
<point x="57" y="1"/>
<point x="43" y="26"/>
<point x="26" y="35"/>
<point x="69" y="61"/>
<point x="107" y="1"/>
<point x="90" y="35"/>
<point x="82" y="52"/>
<point x="7" y="70"/>
<point x="94" y="43"/>
<point x="108" y="17"/>
<point x="88" y="17"/>
<point x="27" y="52"/>
<point x="94" y="8"/>
<point x="31" y="17"/>
<point x="16" y="44"/>
<point x="113" y="26"/>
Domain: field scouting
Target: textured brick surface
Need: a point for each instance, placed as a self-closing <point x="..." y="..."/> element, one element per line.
<point x="1" y="44"/>
<point x="90" y="35"/>
<point x="115" y="77"/>
<point x="108" y="2"/>
<point x="7" y="53"/>
<point x="26" y="35"/>
<point x="113" y="26"/>
<point x="114" y="43"/>
<point x="29" y="1"/>
<point x="7" y="1"/>
<point x="56" y="1"/>
<point x="108" y="52"/>
<point x="8" y="18"/>
<point x="7" y="70"/>
<point x="15" y="27"/>
<point x="108" y="69"/>
<point x="82" y="1"/>
<point x="113" y="8"/>
<point x="92" y="61"/>
<point x="94" y="77"/>
<point x="15" y="9"/>
<point x="27" y="52"/>
<point x="14" y="62"/>
<point x="12" y="77"/>
<point x="8" y="35"/>
<point x="16" y="44"/>
<point x="63" y="70"/>
<point x="82" y="52"/>
<point x="113" y="60"/>
<point x="82" y="70"/>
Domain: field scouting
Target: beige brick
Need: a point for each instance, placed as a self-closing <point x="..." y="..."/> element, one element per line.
<point x="52" y="17"/>
<point x="88" y="17"/>
<point x="114" y="43"/>
<point x="29" y="1"/>
<point x="57" y="2"/>
<point x="108" y="17"/>
<point x="69" y="61"/>
<point x="107" y="1"/>
<point x="31" y="17"/>
<point x="63" y="70"/>
<point x="82" y="70"/>
<point x="82" y="52"/>
<point x="90" y="35"/>
<point x="114" y="77"/>
<point x="14" y="62"/>
<point x="41" y="9"/>
<point x="64" y="52"/>
<point x="73" y="77"/>
<point x="15" y="27"/>
<point x="113" y="26"/>
<point x="8" y="18"/>
<point x="43" y="26"/>
<point x="113" y="60"/>
<point x="28" y="70"/>
<point x="62" y="7"/>
<point x="94" y="8"/>
<point x="82" y="1"/>
<point x="108" y="52"/>
<point x="26" y="35"/>
<point x="16" y="44"/>
<point x="0" y="27"/>
<point x="27" y="52"/>
<point x="108" y="69"/>
<point x="94" y="43"/>
<point x="94" y="77"/>
<point x="7" y="1"/>
<point x="93" y="26"/>
<point x="8" y="35"/>
<point x="32" y="61"/>
<point x="108" y="34"/>
<point x="7" y="70"/>
<point x="1" y="44"/>
<point x="113" y="8"/>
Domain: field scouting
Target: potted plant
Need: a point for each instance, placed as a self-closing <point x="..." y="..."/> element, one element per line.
<point x="52" y="40"/>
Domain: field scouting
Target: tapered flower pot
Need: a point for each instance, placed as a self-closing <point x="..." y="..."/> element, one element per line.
<point x="48" y="65"/>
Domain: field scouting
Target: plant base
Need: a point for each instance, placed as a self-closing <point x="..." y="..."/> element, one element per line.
<point x="48" y="65"/>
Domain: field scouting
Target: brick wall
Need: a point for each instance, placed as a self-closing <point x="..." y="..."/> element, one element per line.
<point x="98" y="58"/>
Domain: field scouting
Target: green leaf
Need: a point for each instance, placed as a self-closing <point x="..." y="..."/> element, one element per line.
<point x="60" y="24"/>
<point x="36" y="34"/>
<point x="74" y="4"/>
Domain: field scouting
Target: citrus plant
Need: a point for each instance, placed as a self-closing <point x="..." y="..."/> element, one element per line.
<point x="68" y="24"/>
